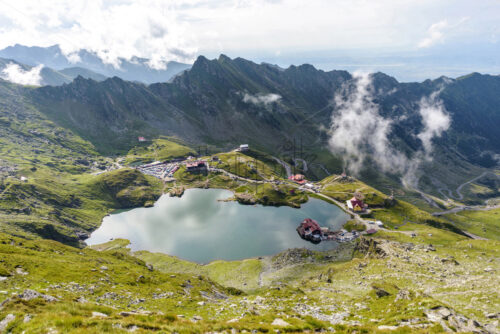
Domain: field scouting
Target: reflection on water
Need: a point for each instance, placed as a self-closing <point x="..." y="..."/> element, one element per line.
<point x="198" y="227"/>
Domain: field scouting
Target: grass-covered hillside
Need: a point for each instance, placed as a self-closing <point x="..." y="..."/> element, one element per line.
<point x="420" y="273"/>
<point x="160" y="149"/>
<point x="391" y="282"/>
<point x="47" y="184"/>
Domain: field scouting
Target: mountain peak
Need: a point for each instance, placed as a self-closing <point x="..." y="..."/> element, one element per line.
<point x="223" y="57"/>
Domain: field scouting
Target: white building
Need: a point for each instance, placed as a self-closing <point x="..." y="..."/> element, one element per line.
<point x="244" y="147"/>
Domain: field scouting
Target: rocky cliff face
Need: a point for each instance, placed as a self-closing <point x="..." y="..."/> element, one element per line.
<point x="224" y="102"/>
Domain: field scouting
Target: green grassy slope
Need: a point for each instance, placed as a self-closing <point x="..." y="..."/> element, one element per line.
<point x="160" y="149"/>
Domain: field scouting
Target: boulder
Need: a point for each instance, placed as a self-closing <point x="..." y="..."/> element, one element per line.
<point x="99" y="315"/>
<point x="380" y="292"/>
<point x="29" y="294"/>
<point x="6" y="321"/>
<point x="280" y="322"/>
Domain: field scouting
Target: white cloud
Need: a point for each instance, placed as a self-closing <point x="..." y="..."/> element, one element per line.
<point x="359" y="133"/>
<point x="434" y="118"/>
<point x="164" y="30"/>
<point x="14" y="73"/>
<point x="434" y="34"/>
<point x="261" y="98"/>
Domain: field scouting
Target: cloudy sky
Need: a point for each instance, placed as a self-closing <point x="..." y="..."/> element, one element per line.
<point x="411" y="39"/>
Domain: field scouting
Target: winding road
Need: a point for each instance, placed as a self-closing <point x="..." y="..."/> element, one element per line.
<point x="286" y="166"/>
<point x="468" y="207"/>
<point x="459" y="188"/>
<point x="304" y="163"/>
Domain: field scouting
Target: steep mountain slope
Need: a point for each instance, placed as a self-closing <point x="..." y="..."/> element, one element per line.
<point x="419" y="274"/>
<point x="137" y="69"/>
<point x="225" y="101"/>
<point x="46" y="186"/>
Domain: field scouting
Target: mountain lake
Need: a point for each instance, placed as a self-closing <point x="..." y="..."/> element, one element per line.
<point x="200" y="227"/>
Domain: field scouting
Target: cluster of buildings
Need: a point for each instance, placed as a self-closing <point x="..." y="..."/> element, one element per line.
<point x="310" y="230"/>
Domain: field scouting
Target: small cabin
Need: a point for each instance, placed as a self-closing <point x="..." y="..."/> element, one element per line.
<point x="196" y="167"/>
<point x="356" y="205"/>
<point x="244" y="147"/>
<point x="141" y="139"/>
<point x="298" y="178"/>
<point x="310" y="230"/>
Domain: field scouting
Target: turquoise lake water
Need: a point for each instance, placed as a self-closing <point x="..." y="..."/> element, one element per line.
<point x="200" y="228"/>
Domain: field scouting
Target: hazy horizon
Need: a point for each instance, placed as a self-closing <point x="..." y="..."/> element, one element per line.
<point x="411" y="40"/>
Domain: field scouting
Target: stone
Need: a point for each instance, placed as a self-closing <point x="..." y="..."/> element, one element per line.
<point x="132" y="328"/>
<point x="444" y="312"/>
<point x="385" y="327"/>
<point x="3" y="278"/>
<point x="82" y="300"/>
<point x="202" y="303"/>
<point x="103" y="268"/>
<point x="196" y="318"/>
<point x="21" y="271"/>
<point x="493" y="315"/>
<point x="259" y="300"/>
<point x="29" y="294"/>
<point x="403" y="294"/>
<point x="6" y="321"/>
<point x="280" y="322"/>
<point x="27" y="318"/>
<point x="380" y="292"/>
<point x="99" y="315"/>
<point x="126" y="313"/>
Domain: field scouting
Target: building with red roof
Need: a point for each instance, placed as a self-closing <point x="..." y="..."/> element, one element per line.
<point x="310" y="230"/>
<point x="196" y="166"/>
<point x="297" y="178"/>
<point x="356" y="205"/>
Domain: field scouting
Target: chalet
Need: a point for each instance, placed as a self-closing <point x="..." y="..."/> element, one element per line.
<point x="356" y="205"/>
<point x="297" y="178"/>
<point x="310" y="230"/>
<point x="141" y="139"/>
<point x="371" y="231"/>
<point x="196" y="167"/>
<point x="244" y="147"/>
